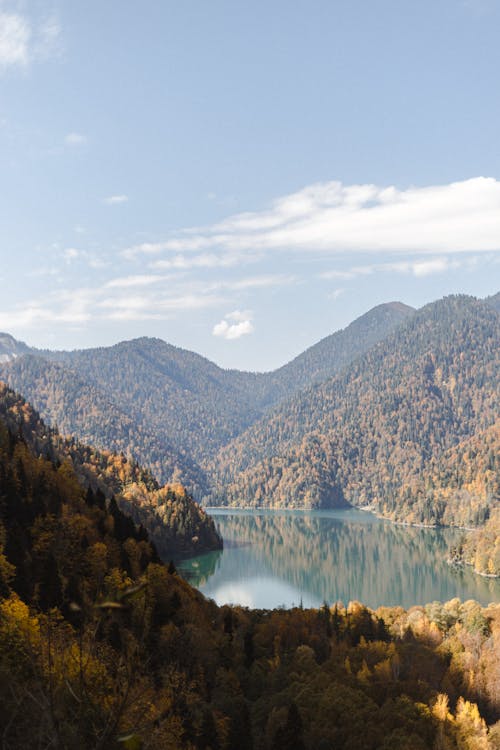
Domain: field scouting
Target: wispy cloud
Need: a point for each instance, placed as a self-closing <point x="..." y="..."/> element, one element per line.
<point x="120" y="299"/>
<point x="15" y="36"/>
<point x="420" y="267"/>
<point x="333" y="218"/>
<point x="114" y="200"/>
<point x="75" y="139"/>
<point x="234" y="325"/>
<point x="126" y="282"/>
<point x="336" y="293"/>
<point x="183" y="262"/>
<point x="70" y="254"/>
<point x="24" y="40"/>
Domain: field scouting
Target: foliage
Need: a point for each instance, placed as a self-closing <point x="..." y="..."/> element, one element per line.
<point x="169" y="408"/>
<point x="178" y="525"/>
<point x="101" y="646"/>
<point x="410" y="428"/>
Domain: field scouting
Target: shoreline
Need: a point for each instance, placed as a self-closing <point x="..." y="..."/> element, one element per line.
<point x="366" y="509"/>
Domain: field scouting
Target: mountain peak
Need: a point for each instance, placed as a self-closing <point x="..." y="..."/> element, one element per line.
<point x="10" y="348"/>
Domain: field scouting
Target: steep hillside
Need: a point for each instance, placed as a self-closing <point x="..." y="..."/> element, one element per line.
<point x="375" y="435"/>
<point x="10" y="348"/>
<point x="494" y="301"/>
<point x="69" y="401"/>
<point x="330" y="355"/>
<point x="102" y="647"/>
<point x="176" y="524"/>
<point x="170" y="408"/>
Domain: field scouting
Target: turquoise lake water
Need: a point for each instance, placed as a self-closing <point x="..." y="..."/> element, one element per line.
<point x="284" y="558"/>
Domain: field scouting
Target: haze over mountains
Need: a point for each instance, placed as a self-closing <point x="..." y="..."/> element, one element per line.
<point x="381" y="413"/>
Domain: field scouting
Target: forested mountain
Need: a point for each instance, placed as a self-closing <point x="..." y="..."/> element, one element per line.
<point x="173" y="519"/>
<point x="168" y="407"/>
<point x="101" y="646"/>
<point x="494" y="301"/>
<point x="390" y="431"/>
<point x="330" y="355"/>
<point x="72" y="403"/>
<point x="394" y="406"/>
<point x="10" y="348"/>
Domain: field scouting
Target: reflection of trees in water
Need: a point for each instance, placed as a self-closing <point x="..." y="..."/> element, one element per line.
<point x="374" y="562"/>
<point x="198" y="570"/>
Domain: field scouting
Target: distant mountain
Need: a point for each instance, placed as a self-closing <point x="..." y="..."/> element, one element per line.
<point x="330" y="355"/>
<point x="494" y="301"/>
<point x="378" y="433"/>
<point x="170" y="408"/>
<point x="10" y="348"/>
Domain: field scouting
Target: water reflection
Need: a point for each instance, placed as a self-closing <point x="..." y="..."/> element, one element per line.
<point x="274" y="558"/>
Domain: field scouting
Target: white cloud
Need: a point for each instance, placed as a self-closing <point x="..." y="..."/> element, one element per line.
<point x="332" y="218"/>
<point x="205" y="260"/>
<point x="24" y="40"/>
<point x="336" y="293"/>
<point x="70" y="254"/>
<point x="75" y="139"/>
<point x="234" y="325"/>
<point x="419" y="267"/>
<point x="15" y="35"/>
<point x="114" y="200"/>
<point x="256" y="282"/>
<point x="124" y="282"/>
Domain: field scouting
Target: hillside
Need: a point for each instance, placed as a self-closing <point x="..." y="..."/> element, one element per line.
<point x="10" y="348"/>
<point x="176" y="524"/>
<point x="103" y="647"/>
<point x="378" y="434"/>
<point x="330" y="355"/>
<point x="170" y="408"/>
<point x="69" y="401"/>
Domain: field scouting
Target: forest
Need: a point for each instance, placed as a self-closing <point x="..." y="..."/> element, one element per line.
<point x="170" y="408"/>
<point x="177" y="524"/>
<point x="104" y="646"/>
<point x="398" y="412"/>
<point x="410" y="429"/>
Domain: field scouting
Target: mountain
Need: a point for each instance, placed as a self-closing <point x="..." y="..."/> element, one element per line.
<point x="168" y="407"/>
<point x="494" y="301"/>
<point x="74" y="405"/>
<point x="330" y="355"/>
<point x="378" y="433"/>
<point x="102" y="646"/>
<point x="175" y="522"/>
<point x="10" y="348"/>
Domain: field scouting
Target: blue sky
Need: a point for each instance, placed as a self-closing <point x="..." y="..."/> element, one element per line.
<point x="242" y="179"/>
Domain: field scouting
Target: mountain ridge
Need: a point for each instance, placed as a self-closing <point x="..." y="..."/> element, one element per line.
<point x="408" y="399"/>
<point x="179" y="407"/>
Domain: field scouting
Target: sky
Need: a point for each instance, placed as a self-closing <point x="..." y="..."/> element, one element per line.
<point x="242" y="179"/>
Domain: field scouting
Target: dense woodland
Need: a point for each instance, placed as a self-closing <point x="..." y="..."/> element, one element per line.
<point x="102" y="646"/>
<point x="410" y="428"/>
<point x="176" y="523"/>
<point x="170" y="408"/>
<point x="398" y="412"/>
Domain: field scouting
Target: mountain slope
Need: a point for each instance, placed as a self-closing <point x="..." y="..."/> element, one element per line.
<point x="170" y="408"/>
<point x="330" y="355"/>
<point x="77" y="407"/>
<point x="371" y="435"/>
<point x="10" y="348"/>
<point x="176" y="524"/>
<point x="101" y="646"/>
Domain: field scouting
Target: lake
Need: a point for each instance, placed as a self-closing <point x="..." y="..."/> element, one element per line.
<point x="284" y="558"/>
